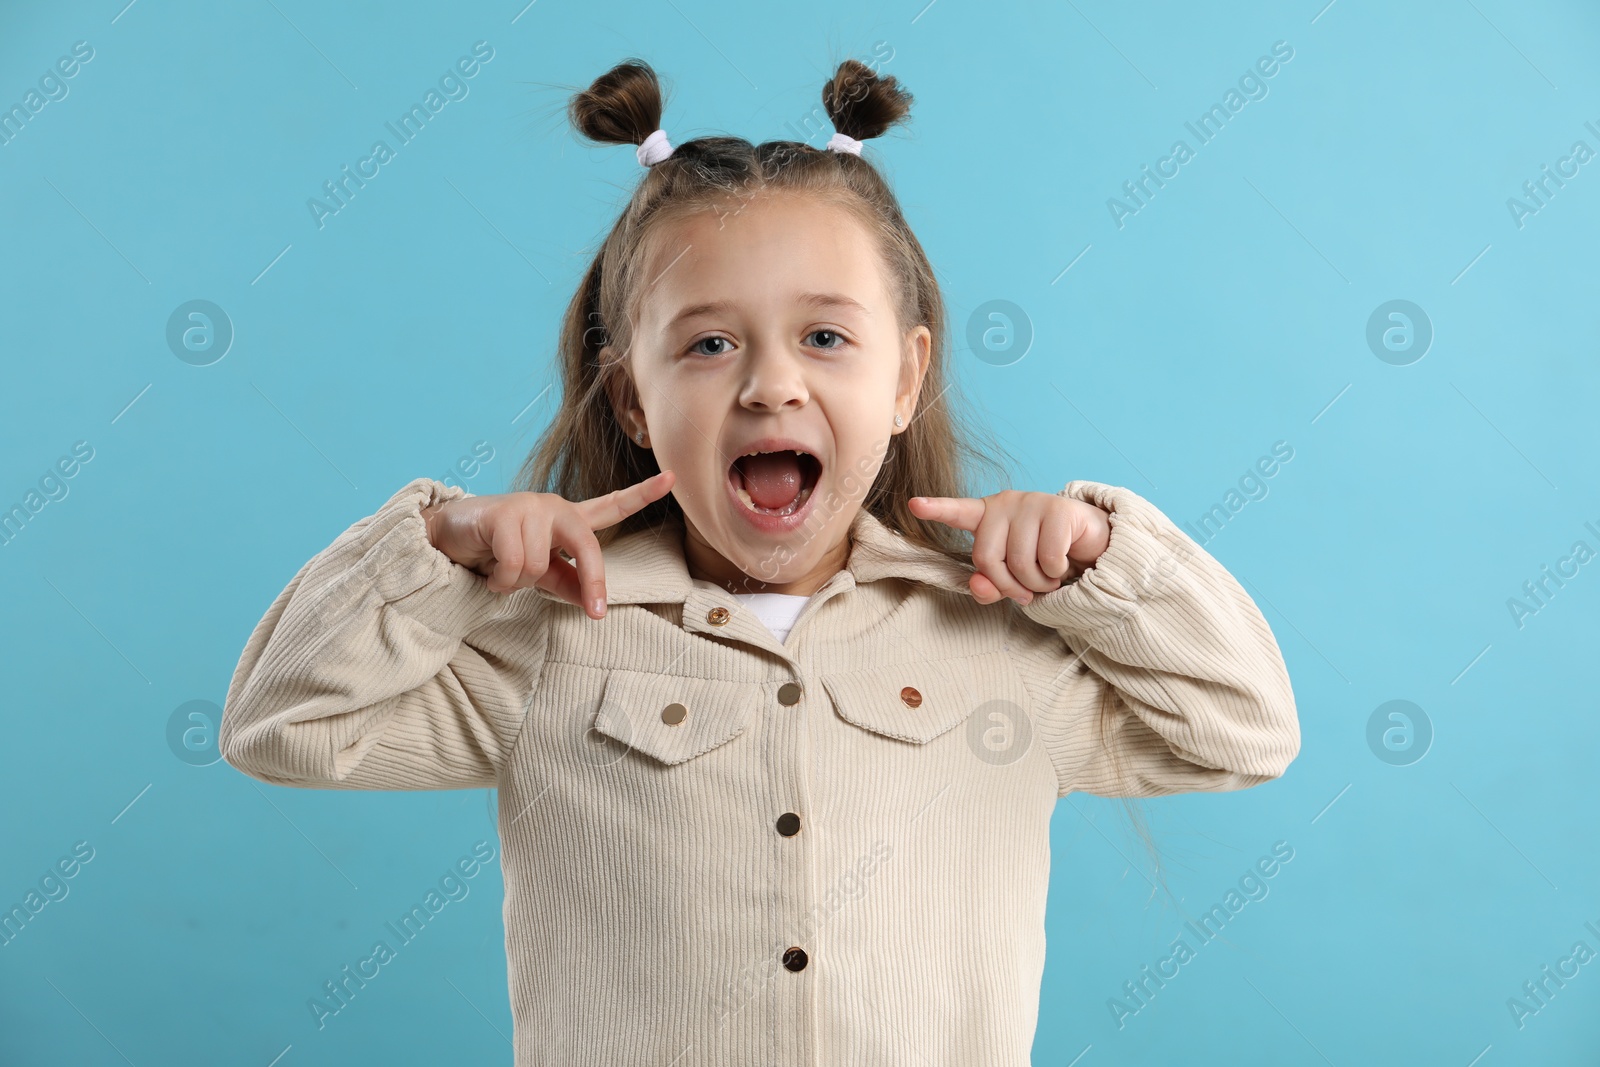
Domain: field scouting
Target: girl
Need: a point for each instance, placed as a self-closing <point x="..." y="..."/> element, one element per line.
<point x="776" y="741"/>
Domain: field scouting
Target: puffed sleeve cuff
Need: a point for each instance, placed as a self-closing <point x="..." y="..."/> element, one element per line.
<point x="1145" y="549"/>
<point x="395" y="561"/>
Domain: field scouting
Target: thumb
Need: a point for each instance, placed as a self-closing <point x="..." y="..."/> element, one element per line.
<point x="962" y="512"/>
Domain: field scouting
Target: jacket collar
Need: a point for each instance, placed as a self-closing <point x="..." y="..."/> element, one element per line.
<point x="647" y="565"/>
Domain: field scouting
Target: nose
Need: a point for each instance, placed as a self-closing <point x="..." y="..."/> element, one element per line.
<point x="774" y="379"/>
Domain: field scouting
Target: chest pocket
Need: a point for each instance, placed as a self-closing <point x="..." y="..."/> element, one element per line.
<point x="914" y="701"/>
<point x="674" y="719"/>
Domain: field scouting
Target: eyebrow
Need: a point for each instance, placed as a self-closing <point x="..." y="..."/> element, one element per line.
<point x="814" y="300"/>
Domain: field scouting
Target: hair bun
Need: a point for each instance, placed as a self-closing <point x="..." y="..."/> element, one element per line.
<point x="622" y="106"/>
<point x="861" y="104"/>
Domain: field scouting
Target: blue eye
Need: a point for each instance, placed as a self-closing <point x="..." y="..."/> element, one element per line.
<point x="830" y="333"/>
<point x="695" y="348"/>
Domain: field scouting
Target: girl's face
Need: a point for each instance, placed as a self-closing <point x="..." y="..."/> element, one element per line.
<point x="769" y="325"/>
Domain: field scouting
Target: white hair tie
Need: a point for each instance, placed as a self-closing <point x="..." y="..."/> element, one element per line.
<point x="841" y="142"/>
<point x="654" y="149"/>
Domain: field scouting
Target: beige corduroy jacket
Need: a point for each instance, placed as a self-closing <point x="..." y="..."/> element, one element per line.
<point x="720" y="849"/>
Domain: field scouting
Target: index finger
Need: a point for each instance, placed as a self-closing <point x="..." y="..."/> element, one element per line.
<point x="962" y="512"/>
<point x="610" y="509"/>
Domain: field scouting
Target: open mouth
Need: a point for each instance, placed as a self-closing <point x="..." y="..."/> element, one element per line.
<point x="775" y="483"/>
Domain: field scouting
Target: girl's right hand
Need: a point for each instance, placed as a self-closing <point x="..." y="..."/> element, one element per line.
<point x="512" y="538"/>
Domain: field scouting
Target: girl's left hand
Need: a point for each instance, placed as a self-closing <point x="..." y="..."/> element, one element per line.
<point x="1023" y="542"/>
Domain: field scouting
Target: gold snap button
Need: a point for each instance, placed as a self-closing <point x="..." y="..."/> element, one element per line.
<point x="789" y="694"/>
<point x="911" y="697"/>
<point x="717" y="616"/>
<point x="674" y="713"/>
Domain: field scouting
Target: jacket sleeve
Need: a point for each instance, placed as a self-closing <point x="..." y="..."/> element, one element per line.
<point x="1159" y="644"/>
<point x="365" y="672"/>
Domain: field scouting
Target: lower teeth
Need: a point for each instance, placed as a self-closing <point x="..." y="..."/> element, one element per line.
<point x="789" y="509"/>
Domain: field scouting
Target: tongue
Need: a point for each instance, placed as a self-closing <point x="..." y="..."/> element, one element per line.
<point x="771" y="478"/>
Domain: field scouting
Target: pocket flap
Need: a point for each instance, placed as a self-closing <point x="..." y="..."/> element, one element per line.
<point x="713" y="711"/>
<point x="914" y="701"/>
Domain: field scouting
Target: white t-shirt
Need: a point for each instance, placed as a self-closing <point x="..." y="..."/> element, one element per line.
<point x="777" y="611"/>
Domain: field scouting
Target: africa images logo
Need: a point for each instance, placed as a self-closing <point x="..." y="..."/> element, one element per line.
<point x="452" y="86"/>
<point x="1205" y="128"/>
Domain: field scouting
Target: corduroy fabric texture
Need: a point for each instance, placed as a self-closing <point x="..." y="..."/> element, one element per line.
<point x="655" y="881"/>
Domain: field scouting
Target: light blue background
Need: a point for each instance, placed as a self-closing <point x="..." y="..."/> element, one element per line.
<point x="1228" y="314"/>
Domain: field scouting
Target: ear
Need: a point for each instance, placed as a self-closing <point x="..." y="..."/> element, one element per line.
<point x="621" y="392"/>
<point x="913" y="369"/>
